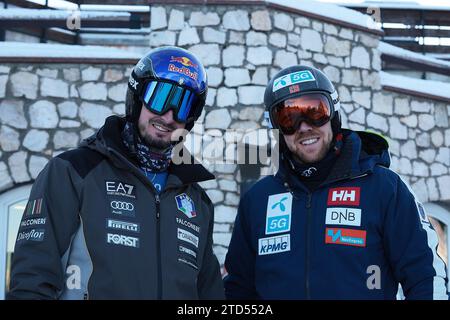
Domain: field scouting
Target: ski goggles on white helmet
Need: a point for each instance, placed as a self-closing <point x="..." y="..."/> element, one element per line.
<point x="159" y="97"/>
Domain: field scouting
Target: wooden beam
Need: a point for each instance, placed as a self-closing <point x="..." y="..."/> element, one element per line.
<point x="417" y="94"/>
<point x="419" y="65"/>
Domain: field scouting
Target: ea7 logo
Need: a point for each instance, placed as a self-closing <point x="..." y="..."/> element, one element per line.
<point x="344" y="196"/>
<point x="117" y="188"/>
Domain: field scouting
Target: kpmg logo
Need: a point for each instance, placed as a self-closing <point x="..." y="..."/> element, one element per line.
<point x="274" y="245"/>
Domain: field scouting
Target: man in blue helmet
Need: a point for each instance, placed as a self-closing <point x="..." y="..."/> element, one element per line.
<point x="334" y="222"/>
<point x="116" y="218"/>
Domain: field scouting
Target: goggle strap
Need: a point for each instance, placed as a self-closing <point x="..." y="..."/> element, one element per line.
<point x="336" y="102"/>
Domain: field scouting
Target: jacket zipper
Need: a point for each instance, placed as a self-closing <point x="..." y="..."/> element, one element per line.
<point x="308" y="245"/>
<point x="158" y="247"/>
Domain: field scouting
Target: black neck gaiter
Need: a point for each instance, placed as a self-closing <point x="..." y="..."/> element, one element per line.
<point x="314" y="174"/>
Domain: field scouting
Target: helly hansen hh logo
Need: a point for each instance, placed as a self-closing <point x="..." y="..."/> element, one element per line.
<point x="348" y="196"/>
<point x="274" y="245"/>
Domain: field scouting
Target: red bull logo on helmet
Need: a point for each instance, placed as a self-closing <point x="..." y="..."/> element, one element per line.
<point x="183" y="70"/>
<point x="184" y="61"/>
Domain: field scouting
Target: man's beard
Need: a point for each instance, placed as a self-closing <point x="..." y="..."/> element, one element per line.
<point x="158" y="145"/>
<point x="322" y="153"/>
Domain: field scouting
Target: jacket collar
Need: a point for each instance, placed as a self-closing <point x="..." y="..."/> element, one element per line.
<point x="360" y="153"/>
<point x="108" y="141"/>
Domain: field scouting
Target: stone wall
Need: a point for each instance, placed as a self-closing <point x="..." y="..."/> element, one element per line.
<point x="46" y="109"/>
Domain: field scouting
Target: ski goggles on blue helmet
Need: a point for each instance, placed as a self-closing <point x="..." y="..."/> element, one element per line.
<point x="161" y="96"/>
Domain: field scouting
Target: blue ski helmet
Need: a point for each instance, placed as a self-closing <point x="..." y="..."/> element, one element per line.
<point x="168" y="78"/>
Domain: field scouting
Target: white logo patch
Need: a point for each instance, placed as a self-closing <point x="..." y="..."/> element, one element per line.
<point x="292" y="78"/>
<point x="278" y="214"/>
<point x="344" y="216"/>
<point x="184" y="235"/>
<point x="274" y="245"/>
<point x="122" y="240"/>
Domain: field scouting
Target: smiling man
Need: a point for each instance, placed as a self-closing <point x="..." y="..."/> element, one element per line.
<point x="116" y="218"/>
<point x="334" y="222"/>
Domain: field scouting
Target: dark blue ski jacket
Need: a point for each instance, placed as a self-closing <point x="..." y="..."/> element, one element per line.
<point x="358" y="236"/>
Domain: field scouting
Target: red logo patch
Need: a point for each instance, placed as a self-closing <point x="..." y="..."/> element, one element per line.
<point x="295" y="88"/>
<point x="344" y="196"/>
<point x="346" y="237"/>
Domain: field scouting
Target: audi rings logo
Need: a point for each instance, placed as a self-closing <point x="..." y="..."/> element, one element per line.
<point x="122" y="205"/>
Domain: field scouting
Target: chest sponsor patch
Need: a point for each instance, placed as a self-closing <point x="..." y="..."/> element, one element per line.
<point x="122" y="208"/>
<point x="188" y="237"/>
<point x="33" y="222"/>
<point x="278" y="214"/>
<point x="188" y="224"/>
<point x="186" y="205"/>
<point x="347" y="237"/>
<point x="32" y="235"/>
<point x="117" y="188"/>
<point x="188" y="251"/>
<point x="34" y="207"/>
<point x="343" y="216"/>
<point x="348" y="196"/>
<point x="122" y="225"/>
<point x="122" y="240"/>
<point x="274" y="245"/>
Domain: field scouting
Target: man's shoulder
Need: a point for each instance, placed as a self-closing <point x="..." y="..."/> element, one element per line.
<point x="82" y="159"/>
<point x="264" y="187"/>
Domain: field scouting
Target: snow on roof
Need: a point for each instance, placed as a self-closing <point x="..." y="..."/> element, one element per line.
<point x="19" y="13"/>
<point x="422" y="87"/>
<point x="393" y="5"/>
<point x="106" y="7"/>
<point x="330" y="11"/>
<point x="44" y="50"/>
<point x="394" y="51"/>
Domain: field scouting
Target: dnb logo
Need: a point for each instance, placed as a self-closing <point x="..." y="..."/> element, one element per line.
<point x="348" y="196"/>
<point x="278" y="215"/>
<point x="347" y="237"/>
<point x="186" y="205"/>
